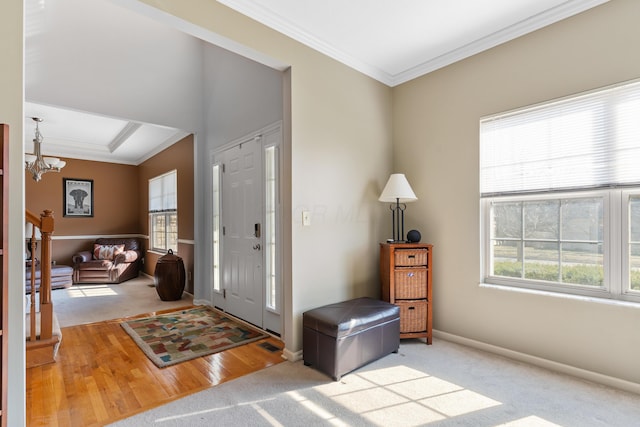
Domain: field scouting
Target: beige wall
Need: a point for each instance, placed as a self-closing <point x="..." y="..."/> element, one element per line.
<point x="436" y="145"/>
<point x="180" y="157"/>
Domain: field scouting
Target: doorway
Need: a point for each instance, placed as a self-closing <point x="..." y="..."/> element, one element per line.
<point x="246" y="276"/>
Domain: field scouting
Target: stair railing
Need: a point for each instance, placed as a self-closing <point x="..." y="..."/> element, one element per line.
<point x="44" y="305"/>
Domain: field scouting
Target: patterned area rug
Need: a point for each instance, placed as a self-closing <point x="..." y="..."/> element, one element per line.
<point x="176" y="337"/>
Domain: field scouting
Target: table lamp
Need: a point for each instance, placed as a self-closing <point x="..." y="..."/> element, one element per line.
<point x="398" y="192"/>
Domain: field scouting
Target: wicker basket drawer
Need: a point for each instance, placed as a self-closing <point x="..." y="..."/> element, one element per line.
<point x="410" y="282"/>
<point x="410" y="257"/>
<point x="413" y="316"/>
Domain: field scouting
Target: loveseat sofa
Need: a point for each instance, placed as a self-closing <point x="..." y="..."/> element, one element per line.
<point x="61" y="277"/>
<point x="111" y="260"/>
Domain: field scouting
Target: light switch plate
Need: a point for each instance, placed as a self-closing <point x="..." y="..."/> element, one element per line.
<point x="306" y="218"/>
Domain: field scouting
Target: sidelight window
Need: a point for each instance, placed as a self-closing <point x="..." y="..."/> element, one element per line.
<point x="216" y="227"/>
<point x="271" y="227"/>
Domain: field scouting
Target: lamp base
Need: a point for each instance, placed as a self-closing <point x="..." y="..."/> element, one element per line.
<point x="396" y="241"/>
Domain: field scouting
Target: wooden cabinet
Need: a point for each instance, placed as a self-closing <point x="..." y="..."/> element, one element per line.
<point x="405" y="276"/>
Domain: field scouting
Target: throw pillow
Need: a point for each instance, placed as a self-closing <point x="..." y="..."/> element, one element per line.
<point x="107" y="252"/>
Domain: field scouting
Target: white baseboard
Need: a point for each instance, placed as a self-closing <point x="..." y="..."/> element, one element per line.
<point x="291" y="356"/>
<point x="543" y="363"/>
<point x="202" y="302"/>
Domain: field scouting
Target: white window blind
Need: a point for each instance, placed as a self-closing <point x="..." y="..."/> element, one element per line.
<point x="591" y="140"/>
<point x="163" y="193"/>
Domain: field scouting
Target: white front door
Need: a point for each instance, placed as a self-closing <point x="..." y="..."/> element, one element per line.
<point x="247" y="229"/>
<point x="242" y="192"/>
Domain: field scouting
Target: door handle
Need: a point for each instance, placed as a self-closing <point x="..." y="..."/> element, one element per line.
<point x="256" y="230"/>
<point x="256" y="247"/>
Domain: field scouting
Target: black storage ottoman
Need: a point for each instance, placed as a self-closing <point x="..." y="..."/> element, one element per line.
<point x="341" y="337"/>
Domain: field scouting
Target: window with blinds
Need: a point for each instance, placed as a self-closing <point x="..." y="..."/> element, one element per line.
<point x="586" y="141"/>
<point x="559" y="186"/>
<point x="163" y="212"/>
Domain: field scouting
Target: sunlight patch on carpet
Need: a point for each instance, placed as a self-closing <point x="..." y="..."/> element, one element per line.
<point x="384" y="395"/>
<point x="183" y="335"/>
<point x="80" y="291"/>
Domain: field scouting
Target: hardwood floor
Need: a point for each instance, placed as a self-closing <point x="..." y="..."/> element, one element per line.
<point x="102" y="376"/>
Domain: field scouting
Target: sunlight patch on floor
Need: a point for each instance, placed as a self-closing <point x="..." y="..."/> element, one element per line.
<point x="459" y="403"/>
<point x="411" y="414"/>
<point x="254" y="404"/>
<point x="531" y="421"/>
<point x="91" y="291"/>
<point x="384" y="396"/>
<point x="264" y="414"/>
<point x="369" y="400"/>
<point x="395" y="396"/>
<point x="316" y="409"/>
<point x="422" y="388"/>
<point x="393" y="375"/>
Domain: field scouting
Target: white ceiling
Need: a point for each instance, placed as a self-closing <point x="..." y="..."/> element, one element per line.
<point x="76" y="134"/>
<point x="392" y="41"/>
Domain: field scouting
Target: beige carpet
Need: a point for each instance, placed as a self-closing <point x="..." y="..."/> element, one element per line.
<point x="445" y="384"/>
<point x="89" y="303"/>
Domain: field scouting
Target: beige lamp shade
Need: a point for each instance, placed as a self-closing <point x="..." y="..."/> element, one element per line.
<point x="397" y="190"/>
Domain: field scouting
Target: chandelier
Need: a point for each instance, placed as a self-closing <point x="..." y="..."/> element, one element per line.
<point x="35" y="163"/>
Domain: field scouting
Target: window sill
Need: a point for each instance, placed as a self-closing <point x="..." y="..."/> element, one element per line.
<point x="160" y="253"/>
<point x="573" y="297"/>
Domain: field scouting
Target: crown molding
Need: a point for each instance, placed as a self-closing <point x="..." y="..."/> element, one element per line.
<point x="536" y="22"/>
<point x="256" y="11"/>
<point x="177" y="136"/>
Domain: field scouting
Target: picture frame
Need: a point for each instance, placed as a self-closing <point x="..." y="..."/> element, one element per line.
<point x="77" y="200"/>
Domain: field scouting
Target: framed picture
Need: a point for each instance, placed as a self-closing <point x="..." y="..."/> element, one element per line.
<point x="78" y="197"/>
